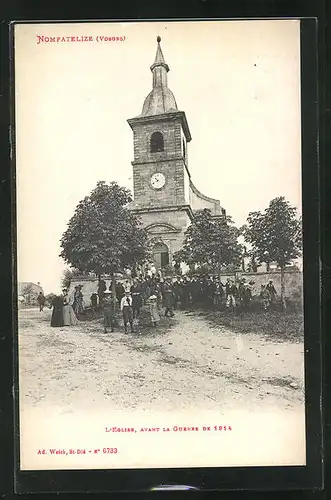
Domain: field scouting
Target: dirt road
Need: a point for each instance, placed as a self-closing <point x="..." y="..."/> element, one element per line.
<point x="184" y="363"/>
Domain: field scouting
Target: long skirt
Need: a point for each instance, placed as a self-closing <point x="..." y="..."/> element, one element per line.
<point x="78" y="306"/>
<point x="153" y="309"/>
<point x="66" y="316"/>
<point x="73" y="317"/>
<point x="69" y="316"/>
<point x="57" y="317"/>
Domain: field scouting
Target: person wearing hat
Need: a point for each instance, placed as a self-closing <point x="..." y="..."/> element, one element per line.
<point x="41" y="301"/>
<point x="136" y="292"/>
<point x="120" y="292"/>
<point x="78" y="300"/>
<point x="176" y="292"/>
<point x="168" y="298"/>
<point x="57" y="313"/>
<point x="231" y="292"/>
<point x="265" y="296"/>
<point x="108" y="311"/>
<point x="246" y="295"/>
<point x="185" y="293"/>
<point x="217" y="294"/>
<point x="272" y="291"/>
<point x="153" y="309"/>
<point x="102" y="287"/>
<point x="241" y="287"/>
<point x="127" y="311"/>
<point x="66" y="314"/>
<point x="69" y="316"/>
<point x="94" y="302"/>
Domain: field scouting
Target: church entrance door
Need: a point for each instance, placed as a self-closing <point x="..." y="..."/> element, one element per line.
<point x="160" y="255"/>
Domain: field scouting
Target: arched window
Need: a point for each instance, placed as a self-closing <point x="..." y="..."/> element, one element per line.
<point x="157" y="142"/>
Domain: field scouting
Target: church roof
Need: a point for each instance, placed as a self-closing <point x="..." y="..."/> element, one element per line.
<point x="160" y="100"/>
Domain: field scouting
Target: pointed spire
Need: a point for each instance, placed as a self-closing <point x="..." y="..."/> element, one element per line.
<point x="160" y="100"/>
<point x="159" y="68"/>
<point x="159" y="59"/>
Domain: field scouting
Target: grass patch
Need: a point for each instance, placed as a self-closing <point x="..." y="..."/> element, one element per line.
<point x="273" y="325"/>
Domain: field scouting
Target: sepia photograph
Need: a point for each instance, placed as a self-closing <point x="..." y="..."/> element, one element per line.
<point x="159" y="244"/>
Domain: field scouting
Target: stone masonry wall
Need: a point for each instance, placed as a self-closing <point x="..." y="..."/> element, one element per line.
<point x="178" y="219"/>
<point x="293" y="282"/>
<point x="90" y="285"/>
<point x="170" y="162"/>
<point x="171" y="130"/>
<point x="199" y="202"/>
<point x="172" y="192"/>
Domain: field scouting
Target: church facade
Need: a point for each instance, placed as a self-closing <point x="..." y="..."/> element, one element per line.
<point x="164" y="195"/>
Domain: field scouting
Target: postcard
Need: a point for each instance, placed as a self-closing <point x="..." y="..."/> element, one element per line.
<point x="159" y="244"/>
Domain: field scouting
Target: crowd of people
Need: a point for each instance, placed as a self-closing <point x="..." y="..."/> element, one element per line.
<point x="161" y="296"/>
<point x="164" y="296"/>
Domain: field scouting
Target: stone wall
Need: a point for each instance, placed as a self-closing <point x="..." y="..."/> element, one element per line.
<point x="90" y="285"/>
<point x="293" y="282"/>
<point x="170" y="162"/>
<point x="172" y="193"/>
<point x="199" y="201"/>
<point x="171" y="131"/>
<point x="179" y="219"/>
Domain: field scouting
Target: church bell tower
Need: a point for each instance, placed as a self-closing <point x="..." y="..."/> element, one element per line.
<point x="161" y="178"/>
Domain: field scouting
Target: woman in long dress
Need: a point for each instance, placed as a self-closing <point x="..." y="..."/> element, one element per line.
<point x="69" y="316"/>
<point x="57" y="313"/>
<point x="73" y="318"/>
<point x="66" y="315"/>
<point x="78" y="303"/>
<point x="153" y="309"/>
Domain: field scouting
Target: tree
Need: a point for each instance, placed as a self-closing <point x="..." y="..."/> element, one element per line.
<point x="28" y="294"/>
<point x="275" y="235"/>
<point x="252" y="264"/>
<point x="211" y="243"/>
<point x="104" y="236"/>
<point x="68" y="275"/>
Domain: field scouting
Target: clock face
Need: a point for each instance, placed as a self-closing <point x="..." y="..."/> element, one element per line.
<point x="157" y="180"/>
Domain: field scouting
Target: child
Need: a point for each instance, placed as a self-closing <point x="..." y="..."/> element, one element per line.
<point x="153" y="309"/>
<point x="108" y="311"/>
<point x="127" y="311"/>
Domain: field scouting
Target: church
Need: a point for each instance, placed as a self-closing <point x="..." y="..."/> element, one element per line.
<point x="164" y="195"/>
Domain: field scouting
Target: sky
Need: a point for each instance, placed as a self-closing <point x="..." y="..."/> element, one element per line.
<point x="237" y="81"/>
